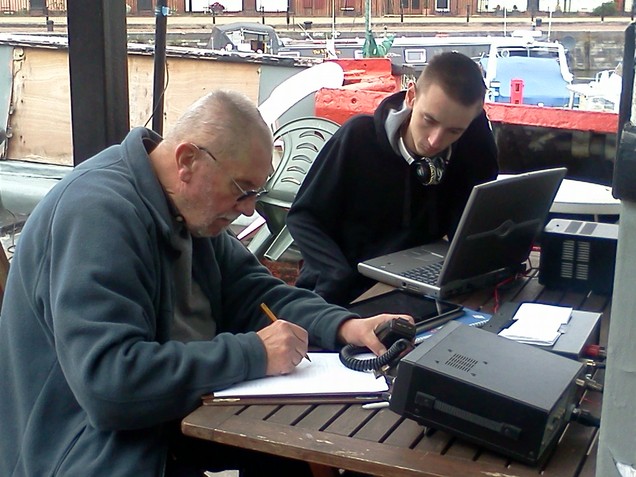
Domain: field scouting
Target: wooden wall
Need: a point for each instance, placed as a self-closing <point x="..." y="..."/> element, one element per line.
<point x="40" y="121"/>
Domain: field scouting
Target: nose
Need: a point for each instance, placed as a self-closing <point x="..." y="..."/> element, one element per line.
<point x="436" y="138"/>
<point x="246" y="207"/>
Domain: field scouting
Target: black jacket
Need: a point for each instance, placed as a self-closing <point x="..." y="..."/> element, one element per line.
<point x="361" y="199"/>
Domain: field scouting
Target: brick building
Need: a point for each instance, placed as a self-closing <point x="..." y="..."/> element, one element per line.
<point x="326" y="8"/>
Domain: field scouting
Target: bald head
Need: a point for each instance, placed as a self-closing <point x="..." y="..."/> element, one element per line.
<point x="221" y="118"/>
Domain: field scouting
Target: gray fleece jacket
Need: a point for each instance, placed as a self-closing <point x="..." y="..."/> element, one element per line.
<point x="90" y="380"/>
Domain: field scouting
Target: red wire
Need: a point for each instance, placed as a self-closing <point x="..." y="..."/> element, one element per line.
<point x="505" y="282"/>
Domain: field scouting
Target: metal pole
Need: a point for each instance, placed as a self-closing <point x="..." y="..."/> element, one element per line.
<point x="333" y="19"/>
<point x="504" y="21"/>
<point x="161" y="12"/>
<point x="98" y="71"/>
<point x="627" y="91"/>
<point x="615" y="446"/>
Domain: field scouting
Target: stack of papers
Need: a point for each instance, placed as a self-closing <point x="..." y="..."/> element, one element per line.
<point x="538" y="324"/>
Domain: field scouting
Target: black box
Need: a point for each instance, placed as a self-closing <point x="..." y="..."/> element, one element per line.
<point x="578" y="255"/>
<point x="506" y="396"/>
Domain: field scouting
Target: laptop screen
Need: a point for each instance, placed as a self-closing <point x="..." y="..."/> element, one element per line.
<point x="498" y="227"/>
<point x="500" y="223"/>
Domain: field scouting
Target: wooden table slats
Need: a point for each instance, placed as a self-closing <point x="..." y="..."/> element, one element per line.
<point x="406" y="434"/>
<point x="435" y="442"/>
<point x="349" y="421"/>
<point x="317" y="420"/>
<point x="382" y="423"/>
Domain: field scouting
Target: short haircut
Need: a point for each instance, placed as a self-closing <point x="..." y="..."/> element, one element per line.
<point x="458" y="76"/>
<point x="223" y="118"/>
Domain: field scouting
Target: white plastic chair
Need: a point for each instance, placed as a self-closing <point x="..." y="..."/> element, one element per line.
<point x="297" y="87"/>
<point x="283" y="98"/>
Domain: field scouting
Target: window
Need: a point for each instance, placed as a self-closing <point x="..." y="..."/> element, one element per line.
<point x="415" y="56"/>
<point x="442" y="5"/>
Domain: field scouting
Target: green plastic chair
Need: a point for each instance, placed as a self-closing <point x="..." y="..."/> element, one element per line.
<point x="299" y="142"/>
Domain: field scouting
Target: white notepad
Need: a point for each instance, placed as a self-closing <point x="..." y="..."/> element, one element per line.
<point x="537" y="324"/>
<point x="324" y="375"/>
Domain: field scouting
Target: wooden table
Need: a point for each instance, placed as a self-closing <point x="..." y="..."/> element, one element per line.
<point x="382" y="443"/>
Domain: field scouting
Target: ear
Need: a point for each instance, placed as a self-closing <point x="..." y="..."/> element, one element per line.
<point x="184" y="156"/>
<point x="410" y="95"/>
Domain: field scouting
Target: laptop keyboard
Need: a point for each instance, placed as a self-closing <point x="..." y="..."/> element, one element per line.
<point x="427" y="274"/>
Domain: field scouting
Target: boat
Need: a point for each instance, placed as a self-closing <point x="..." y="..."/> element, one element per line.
<point x="603" y="93"/>
<point x="540" y="68"/>
<point x="521" y="70"/>
<point x="409" y="51"/>
<point x="245" y="37"/>
<point x="43" y="82"/>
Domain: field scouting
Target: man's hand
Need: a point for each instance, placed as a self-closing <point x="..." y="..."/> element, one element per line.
<point x="285" y="344"/>
<point x="361" y="332"/>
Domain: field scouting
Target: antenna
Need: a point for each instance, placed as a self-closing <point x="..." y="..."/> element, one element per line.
<point x="307" y="34"/>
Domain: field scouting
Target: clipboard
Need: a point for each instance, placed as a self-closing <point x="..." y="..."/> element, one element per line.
<point x="211" y="400"/>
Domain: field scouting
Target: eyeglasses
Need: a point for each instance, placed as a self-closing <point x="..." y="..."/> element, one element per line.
<point x="245" y="194"/>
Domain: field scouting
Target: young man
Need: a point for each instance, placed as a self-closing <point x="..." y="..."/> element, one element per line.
<point x="393" y="180"/>
<point x="126" y="302"/>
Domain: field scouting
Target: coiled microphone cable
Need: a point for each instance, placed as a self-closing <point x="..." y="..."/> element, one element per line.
<point x="349" y="352"/>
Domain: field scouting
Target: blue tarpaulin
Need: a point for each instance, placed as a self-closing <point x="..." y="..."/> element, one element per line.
<point x="542" y="80"/>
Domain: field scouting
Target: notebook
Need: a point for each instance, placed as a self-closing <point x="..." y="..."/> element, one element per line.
<point x="497" y="229"/>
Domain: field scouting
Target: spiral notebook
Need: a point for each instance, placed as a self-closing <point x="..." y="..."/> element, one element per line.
<point x="500" y="222"/>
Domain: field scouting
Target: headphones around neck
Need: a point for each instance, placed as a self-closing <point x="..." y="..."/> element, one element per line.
<point x="428" y="170"/>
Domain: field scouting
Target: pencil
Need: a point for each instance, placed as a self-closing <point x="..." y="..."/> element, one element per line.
<point x="270" y="314"/>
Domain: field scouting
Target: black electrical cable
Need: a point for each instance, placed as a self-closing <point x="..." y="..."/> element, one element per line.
<point x="585" y="417"/>
<point x="349" y="352"/>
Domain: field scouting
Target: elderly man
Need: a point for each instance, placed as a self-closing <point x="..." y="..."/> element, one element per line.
<point x="126" y="302"/>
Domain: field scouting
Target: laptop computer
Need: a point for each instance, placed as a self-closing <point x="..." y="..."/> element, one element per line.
<point x="497" y="229"/>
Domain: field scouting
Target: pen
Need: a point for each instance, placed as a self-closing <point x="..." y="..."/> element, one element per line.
<point x="376" y="405"/>
<point x="270" y="314"/>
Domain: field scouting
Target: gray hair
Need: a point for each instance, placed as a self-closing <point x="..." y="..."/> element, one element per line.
<point x="222" y="119"/>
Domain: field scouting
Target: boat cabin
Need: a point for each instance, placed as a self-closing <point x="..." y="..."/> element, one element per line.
<point x="245" y="37"/>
